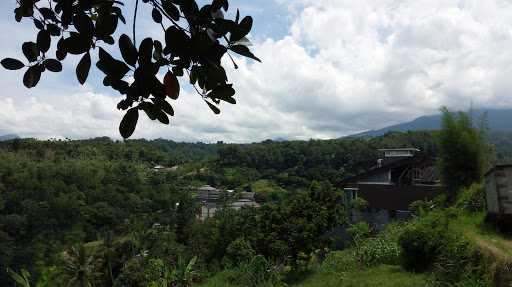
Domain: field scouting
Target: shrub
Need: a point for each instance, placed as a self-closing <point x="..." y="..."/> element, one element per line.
<point x="429" y="243"/>
<point x="420" y="207"/>
<point x="340" y="261"/>
<point x="359" y="231"/>
<point x="257" y="272"/>
<point x="422" y="241"/>
<point x="359" y="204"/>
<point x="472" y="199"/>
<point x="239" y="251"/>
<point x="453" y="263"/>
<point x="375" y="251"/>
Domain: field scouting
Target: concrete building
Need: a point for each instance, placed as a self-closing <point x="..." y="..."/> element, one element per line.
<point x="400" y="177"/>
<point x="213" y="199"/>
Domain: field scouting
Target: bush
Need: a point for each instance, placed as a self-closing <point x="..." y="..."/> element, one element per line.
<point x="239" y="251"/>
<point x="375" y="251"/>
<point x="422" y="241"/>
<point x="472" y="199"/>
<point x="257" y="272"/>
<point x="453" y="263"/>
<point x="340" y="261"/>
<point x="429" y="243"/>
<point x="359" y="231"/>
<point x="359" y="204"/>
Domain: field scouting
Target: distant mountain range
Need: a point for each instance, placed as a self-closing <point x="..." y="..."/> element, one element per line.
<point x="8" y="137"/>
<point x="498" y="120"/>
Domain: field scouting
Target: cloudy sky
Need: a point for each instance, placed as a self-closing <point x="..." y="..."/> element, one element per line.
<point x="330" y="68"/>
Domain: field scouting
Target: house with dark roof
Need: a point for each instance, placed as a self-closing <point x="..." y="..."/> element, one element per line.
<point x="400" y="177"/>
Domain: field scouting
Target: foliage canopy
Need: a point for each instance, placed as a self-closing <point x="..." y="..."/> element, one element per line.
<point x="462" y="152"/>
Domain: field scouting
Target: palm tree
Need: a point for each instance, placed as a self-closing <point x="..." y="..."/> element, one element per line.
<point x="22" y="280"/>
<point x="80" y="268"/>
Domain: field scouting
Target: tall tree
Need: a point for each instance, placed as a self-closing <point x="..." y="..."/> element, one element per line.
<point x="462" y="152"/>
<point x="196" y="39"/>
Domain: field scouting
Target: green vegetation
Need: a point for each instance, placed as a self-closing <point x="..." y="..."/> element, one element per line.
<point x="95" y="212"/>
<point x="462" y="152"/>
<point x="380" y="276"/>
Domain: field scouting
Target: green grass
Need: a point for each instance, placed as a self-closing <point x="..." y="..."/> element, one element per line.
<point x="219" y="280"/>
<point x="380" y="276"/>
<point x="472" y="225"/>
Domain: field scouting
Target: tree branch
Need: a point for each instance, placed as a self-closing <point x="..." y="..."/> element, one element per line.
<point x="135" y="21"/>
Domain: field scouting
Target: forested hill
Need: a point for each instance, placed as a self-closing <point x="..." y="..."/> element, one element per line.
<point x="497" y="122"/>
<point x="163" y="152"/>
<point x="6" y="137"/>
<point x="57" y="195"/>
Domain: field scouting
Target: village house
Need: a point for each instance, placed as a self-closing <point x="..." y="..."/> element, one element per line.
<point x="400" y="177"/>
<point x="213" y="199"/>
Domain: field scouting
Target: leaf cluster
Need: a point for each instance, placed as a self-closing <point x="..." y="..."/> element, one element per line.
<point x="196" y="39"/>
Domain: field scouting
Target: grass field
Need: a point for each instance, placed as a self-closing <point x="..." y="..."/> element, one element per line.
<point x="380" y="276"/>
<point x="472" y="225"/>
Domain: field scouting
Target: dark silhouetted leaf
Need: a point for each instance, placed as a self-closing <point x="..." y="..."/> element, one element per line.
<point x="129" y="122"/>
<point x="109" y="40"/>
<point x="61" y="49"/>
<point x="150" y="110"/>
<point x="84" y="25"/>
<point x="172" y="86"/>
<point x="157" y="16"/>
<point x="213" y="108"/>
<point x="146" y="50"/>
<point x="76" y="44"/>
<point x="17" y="15"/>
<point x="244" y="51"/>
<point x="128" y="50"/>
<point x="106" y="24"/>
<point x="113" y="68"/>
<point x="177" y="41"/>
<point x="171" y="10"/>
<point x="201" y="43"/>
<point x="43" y="41"/>
<point x="119" y="13"/>
<point x="121" y="86"/>
<point x="30" y="51"/>
<point x="48" y="14"/>
<point x="217" y="4"/>
<point x="215" y="75"/>
<point x="39" y="25"/>
<point x="53" y="29"/>
<point x="244" y="27"/>
<point x="52" y="65"/>
<point x="83" y="67"/>
<point x="12" y="64"/>
<point x="166" y="107"/>
<point x="162" y="117"/>
<point x="224" y="92"/>
<point x="32" y="76"/>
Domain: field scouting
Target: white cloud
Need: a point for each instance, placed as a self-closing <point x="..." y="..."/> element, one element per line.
<point x="345" y="66"/>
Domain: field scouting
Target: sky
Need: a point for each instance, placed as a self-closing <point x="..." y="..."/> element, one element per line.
<point x="329" y="68"/>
